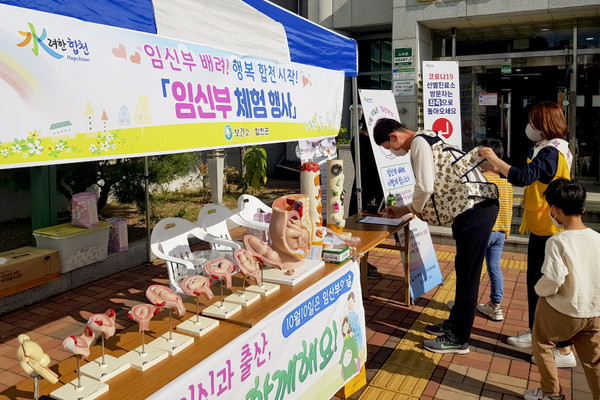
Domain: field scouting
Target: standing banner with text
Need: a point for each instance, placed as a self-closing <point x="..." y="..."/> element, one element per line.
<point x="74" y="91"/>
<point x="441" y="100"/>
<point x="307" y="349"/>
<point x="397" y="177"/>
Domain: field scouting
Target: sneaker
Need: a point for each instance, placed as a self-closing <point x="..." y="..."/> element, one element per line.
<point x="537" y="394"/>
<point x="450" y="304"/>
<point x="566" y="361"/>
<point x="446" y="344"/>
<point x="493" y="311"/>
<point x="523" y="339"/>
<point x="439" y="329"/>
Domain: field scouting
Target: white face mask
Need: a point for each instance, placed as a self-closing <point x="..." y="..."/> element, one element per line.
<point x="559" y="226"/>
<point x="533" y="134"/>
<point x="399" y="153"/>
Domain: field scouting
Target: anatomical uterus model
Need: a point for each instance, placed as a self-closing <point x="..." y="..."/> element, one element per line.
<point x="290" y="230"/>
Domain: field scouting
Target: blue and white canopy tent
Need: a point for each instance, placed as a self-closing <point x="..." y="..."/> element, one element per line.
<point x="252" y="28"/>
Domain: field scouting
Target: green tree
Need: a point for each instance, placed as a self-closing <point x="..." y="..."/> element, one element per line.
<point x="124" y="178"/>
<point x="255" y="161"/>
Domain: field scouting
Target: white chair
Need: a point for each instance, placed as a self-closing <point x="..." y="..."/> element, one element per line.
<point x="213" y="218"/>
<point x="249" y="205"/>
<point x="170" y="241"/>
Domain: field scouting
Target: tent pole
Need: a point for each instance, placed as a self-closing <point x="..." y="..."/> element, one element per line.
<point x="147" y="199"/>
<point x="355" y="133"/>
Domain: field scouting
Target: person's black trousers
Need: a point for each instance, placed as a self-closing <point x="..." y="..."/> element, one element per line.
<point x="471" y="231"/>
<point x="536" y="253"/>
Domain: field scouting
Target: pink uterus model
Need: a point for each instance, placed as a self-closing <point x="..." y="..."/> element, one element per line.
<point x="196" y="285"/>
<point x="262" y="251"/>
<point x="222" y="269"/>
<point x="290" y="230"/>
<point x="80" y="345"/>
<point x="105" y="323"/>
<point x="248" y="264"/>
<point x="142" y="314"/>
<point x="163" y="296"/>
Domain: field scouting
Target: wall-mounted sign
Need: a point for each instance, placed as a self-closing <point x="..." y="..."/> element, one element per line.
<point x="403" y="74"/>
<point x="403" y="57"/>
<point x="488" y="99"/>
<point x="404" y="88"/>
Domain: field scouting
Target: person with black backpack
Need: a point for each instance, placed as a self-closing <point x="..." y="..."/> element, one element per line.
<point x="449" y="189"/>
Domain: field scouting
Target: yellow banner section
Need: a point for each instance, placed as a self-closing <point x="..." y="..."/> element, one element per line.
<point x="119" y="143"/>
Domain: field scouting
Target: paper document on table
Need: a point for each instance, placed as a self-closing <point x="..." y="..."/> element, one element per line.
<point x="382" y="220"/>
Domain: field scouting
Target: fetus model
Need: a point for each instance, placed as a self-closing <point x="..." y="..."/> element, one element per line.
<point x="80" y="345"/>
<point x="220" y="269"/>
<point x="34" y="361"/>
<point x="262" y="251"/>
<point x="248" y="264"/>
<point x="290" y="230"/>
<point x="162" y="296"/>
<point x="142" y="314"/>
<point x="197" y="285"/>
<point x="105" y="324"/>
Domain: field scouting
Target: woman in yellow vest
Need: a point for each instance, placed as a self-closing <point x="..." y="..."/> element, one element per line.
<point x="549" y="159"/>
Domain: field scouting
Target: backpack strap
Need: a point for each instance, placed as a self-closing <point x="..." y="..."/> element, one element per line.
<point x="429" y="137"/>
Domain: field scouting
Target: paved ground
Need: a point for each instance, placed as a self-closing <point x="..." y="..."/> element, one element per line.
<point x="397" y="366"/>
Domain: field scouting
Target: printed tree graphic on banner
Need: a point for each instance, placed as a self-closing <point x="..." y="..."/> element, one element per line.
<point x="89" y="111"/>
<point x="124" y="118"/>
<point x="142" y="114"/>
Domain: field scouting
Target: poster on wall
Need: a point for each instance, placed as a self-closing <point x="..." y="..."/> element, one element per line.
<point x="75" y="91"/>
<point x="441" y="100"/>
<point x="397" y="177"/>
<point x="307" y="349"/>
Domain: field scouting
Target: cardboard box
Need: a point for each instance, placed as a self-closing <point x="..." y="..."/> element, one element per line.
<point x="336" y="254"/>
<point x="77" y="246"/>
<point x="27" y="267"/>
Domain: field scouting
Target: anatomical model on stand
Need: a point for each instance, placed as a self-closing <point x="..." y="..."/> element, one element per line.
<point x="34" y="362"/>
<point x="163" y="296"/>
<point x="197" y="285"/>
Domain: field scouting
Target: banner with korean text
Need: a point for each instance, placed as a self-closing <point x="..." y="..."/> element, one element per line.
<point x="397" y="177"/>
<point x="441" y="100"/>
<point x="307" y="349"/>
<point x="72" y="91"/>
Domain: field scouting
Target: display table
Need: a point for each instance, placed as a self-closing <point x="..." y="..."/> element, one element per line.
<point x="292" y="337"/>
<point x="372" y="236"/>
